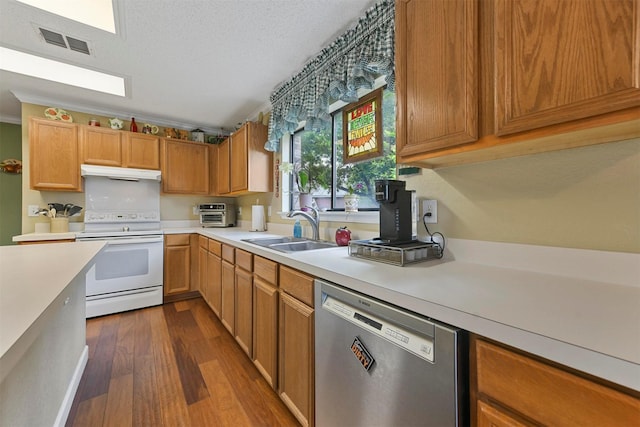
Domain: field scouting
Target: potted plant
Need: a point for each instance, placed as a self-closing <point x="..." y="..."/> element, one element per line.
<point x="306" y="181"/>
<point x="351" y="199"/>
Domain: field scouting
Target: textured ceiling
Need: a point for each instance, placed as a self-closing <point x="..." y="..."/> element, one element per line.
<point x="200" y="63"/>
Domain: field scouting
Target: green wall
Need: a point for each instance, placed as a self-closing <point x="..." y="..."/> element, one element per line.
<point x="10" y="184"/>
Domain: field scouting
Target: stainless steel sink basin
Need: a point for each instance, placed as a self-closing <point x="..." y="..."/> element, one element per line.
<point x="290" y="244"/>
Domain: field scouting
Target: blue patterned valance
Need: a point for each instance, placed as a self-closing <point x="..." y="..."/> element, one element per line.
<point x="351" y="62"/>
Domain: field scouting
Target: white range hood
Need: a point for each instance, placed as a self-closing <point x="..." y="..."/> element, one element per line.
<point x="124" y="174"/>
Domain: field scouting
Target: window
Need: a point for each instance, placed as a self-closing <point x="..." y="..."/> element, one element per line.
<point x="321" y="179"/>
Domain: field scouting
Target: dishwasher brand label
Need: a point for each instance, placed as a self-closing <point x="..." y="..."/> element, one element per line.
<point x="362" y="354"/>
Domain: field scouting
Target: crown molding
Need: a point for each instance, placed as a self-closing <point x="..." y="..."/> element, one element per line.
<point x="10" y="119"/>
<point x="30" y="98"/>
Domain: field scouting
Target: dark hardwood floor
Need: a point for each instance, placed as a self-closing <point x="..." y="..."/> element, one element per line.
<point x="171" y="365"/>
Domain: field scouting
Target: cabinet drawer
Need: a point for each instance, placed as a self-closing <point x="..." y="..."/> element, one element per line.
<point x="176" y="239"/>
<point x="266" y="269"/>
<point x="228" y="254"/>
<point x="297" y="284"/>
<point x="244" y="260"/>
<point x="548" y="394"/>
<point x="203" y="242"/>
<point x="215" y="247"/>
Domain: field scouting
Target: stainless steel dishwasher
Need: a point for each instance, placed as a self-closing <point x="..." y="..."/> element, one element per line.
<point x="378" y="365"/>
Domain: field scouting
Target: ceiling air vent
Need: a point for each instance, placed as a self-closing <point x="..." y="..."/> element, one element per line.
<point x="53" y="38"/>
<point x="66" y="42"/>
<point x="78" y="45"/>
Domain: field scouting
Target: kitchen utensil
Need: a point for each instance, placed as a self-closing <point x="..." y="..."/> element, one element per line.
<point x="59" y="207"/>
<point x="53" y="212"/>
<point x="75" y="209"/>
<point x="67" y="207"/>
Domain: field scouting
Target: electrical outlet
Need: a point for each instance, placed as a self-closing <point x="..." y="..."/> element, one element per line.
<point x="269" y="211"/>
<point x="196" y="210"/>
<point x="239" y="211"/>
<point x="430" y="209"/>
<point x="33" y="210"/>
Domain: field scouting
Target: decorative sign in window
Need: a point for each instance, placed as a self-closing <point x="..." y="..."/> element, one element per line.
<point x="362" y="124"/>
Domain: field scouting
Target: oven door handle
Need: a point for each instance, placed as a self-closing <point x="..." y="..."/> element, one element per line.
<point x="134" y="240"/>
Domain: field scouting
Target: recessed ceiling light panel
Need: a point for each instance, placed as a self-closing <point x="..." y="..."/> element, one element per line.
<point x="96" y="13"/>
<point x="43" y="68"/>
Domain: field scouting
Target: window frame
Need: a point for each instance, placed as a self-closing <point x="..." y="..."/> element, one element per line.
<point x="371" y="216"/>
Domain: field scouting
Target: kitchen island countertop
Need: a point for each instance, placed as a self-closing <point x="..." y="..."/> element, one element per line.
<point x="32" y="277"/>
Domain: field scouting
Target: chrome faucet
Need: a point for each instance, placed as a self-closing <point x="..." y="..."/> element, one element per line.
<point x="314" y="220"/>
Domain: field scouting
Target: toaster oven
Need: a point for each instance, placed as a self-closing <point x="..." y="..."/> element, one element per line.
<point x="217" y="215"/>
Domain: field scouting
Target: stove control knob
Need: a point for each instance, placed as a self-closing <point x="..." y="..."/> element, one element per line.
<point x="125" y="228"/>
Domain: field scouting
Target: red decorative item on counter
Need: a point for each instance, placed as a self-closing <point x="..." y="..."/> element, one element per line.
<point x="343" y="236"/>
<point x="134" y="126"/>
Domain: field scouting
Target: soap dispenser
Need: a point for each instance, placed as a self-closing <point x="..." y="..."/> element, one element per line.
<point x="297" y="229"/>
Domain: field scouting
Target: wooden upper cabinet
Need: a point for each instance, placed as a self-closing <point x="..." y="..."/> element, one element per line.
<point x="558" y="61"/>
<point x="250" y="163"/>
<point x="54" y="156"/>
<point x="483" y="80"/>
<point x="436" y="74"/>
<point x="222" y="171"/>
<point x="185" y="167"/>
<point x="100" y="146"/>
<point x="140" y="151"/>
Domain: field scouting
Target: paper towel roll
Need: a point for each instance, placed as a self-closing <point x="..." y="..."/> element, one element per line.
<point x="257" y="218"/>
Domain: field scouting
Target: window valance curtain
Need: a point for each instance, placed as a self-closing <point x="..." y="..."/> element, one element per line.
<point x="351" y="62"/>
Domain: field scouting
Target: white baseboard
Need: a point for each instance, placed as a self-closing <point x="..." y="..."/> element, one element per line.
<point x="65" y="407"/>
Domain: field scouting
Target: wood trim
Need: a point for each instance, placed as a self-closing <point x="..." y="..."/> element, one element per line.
<point x="180" y="297"/>
<point x="612" y="127"/>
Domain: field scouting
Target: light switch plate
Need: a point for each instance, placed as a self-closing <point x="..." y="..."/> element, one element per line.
<point x="430" y="209"/>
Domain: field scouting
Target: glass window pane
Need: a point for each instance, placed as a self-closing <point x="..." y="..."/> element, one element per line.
<point x="320" y="183"/>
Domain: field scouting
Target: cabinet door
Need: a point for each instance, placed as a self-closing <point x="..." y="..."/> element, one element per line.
<point x="244" y="310"/>
<point x="265" y="330"/>
<point x="54" y="156"/>
<point x="558" y="61"/>
<point x="239" y="159"/>
<point x="203" y="257"/>
<point x="224" y="157"/>
<point x="227" y="310"/>
<point x="436" y="74"/>
<point x="296" y="358"/>
<point x="100" y="146"/>
<point x="140" y="151"/>
<point x="185" y="167"/>
<point x="214" y="282"/>
<point x="177" y="269"/>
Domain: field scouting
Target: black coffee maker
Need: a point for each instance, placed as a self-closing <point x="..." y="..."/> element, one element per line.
<point x="396" y="211"/>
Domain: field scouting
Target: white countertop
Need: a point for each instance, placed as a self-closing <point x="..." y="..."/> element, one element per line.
<point x="31" y="277"/>
<point x="580" y="308"/>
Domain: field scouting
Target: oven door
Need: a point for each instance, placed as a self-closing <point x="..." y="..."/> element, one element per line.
<point x="127" y="263"/>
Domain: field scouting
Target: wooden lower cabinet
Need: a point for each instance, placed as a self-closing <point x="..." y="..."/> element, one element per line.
<point x="296" y="346"/>
<point x="265" y="319"/>
<point x="228" y="291"/>
<point x="513" y="389"/>
<point x="203" y="254"/>
<point x="177" y="264"/>
<point x="214" y="282"/>
<point x="244" y="301"/>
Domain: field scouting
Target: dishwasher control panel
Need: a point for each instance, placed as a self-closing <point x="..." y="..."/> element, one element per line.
<point x="421" y="346"/>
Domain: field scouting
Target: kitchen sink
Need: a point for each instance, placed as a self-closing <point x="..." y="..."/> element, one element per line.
<point x="290" y="244"/>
